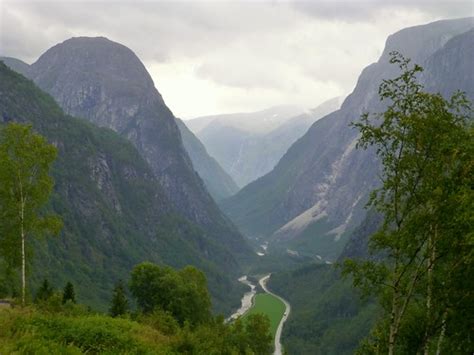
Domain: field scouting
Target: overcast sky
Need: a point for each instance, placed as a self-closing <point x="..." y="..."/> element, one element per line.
<point x="209" y="57"/>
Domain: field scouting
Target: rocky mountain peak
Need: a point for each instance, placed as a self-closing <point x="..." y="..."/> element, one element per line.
<point x="96" y="77"/>
<point x="107" y="84"/>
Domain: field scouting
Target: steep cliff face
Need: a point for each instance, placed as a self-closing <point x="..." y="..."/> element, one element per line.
<point x="219" y="184"/>
<point x="315" y="195"/>
<point x="115" y="212"/>
<point x="105" y="83"/>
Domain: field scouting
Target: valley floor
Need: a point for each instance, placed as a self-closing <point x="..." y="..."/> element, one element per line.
<point x="275" y="307"/>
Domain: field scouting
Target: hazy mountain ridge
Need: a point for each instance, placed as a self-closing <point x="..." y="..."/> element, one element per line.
<point x="316" y="193"/>
<point x="115" y="212"/>
<point x="106" y="83"/>
<point x="249" y="145"/>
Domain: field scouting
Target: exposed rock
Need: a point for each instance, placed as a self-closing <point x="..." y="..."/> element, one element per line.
<point x="322" y="183"/>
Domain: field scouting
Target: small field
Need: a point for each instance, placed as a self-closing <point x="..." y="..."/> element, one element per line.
<point x="269" y="305"/>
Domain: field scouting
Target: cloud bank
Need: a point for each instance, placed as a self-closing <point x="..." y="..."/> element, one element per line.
<point x="209" y="57"/>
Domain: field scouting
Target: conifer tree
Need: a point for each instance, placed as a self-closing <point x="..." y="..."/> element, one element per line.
<point x="69" y="294"/>
<point x="44" y="292"/>
<point x="119" y="304"/>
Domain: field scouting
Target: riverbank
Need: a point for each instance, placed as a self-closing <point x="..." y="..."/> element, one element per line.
<point x="247" y="299"/>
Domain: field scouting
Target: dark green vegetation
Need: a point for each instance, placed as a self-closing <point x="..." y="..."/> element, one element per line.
<point x="219" y="184"/>
<point x="327" y="316"/>
<point x="166" y="325"/>
<point x="423" y="285"/>
<point x="69" y="295"/>
<point x="114" y="211"/>
<point x="119" y="304"/>
<point x="270" y="306"/>
<point x="183" y="293"/>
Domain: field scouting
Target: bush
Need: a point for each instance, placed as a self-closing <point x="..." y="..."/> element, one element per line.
<point x="160" y="320"/>
<point x="27" y="331"/>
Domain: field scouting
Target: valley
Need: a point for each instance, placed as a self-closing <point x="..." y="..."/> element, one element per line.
<point x="236" y="178"/>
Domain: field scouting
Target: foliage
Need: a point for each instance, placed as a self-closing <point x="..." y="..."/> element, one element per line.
<point x="327" y="316"/>
<point x="426" y="145"/>
<point x="54" y="327"/>
<point x="182" y="293"/>
<point x="119" y="304"/>
<point x="34" y="332"/>
<point x="44" y="292"/>
<point x="25" y="187"/>
<point x="240" y="337"/>
<point x="160" y="320"/>
<point x="69" y="294"/>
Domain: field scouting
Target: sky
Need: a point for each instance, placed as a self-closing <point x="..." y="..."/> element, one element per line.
<point x="213" y="57"/>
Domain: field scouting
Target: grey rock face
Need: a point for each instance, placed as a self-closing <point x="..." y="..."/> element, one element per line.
<point x="105" y="83"/>
<point x="322" y="177"/>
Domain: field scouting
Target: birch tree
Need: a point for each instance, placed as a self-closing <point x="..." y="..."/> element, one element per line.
<point x="424" y="143"/>
<point x="25" y="187"/>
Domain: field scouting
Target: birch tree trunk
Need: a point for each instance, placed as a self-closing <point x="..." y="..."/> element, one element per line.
<point x="23" y="256"/>
<point x="443" y="331"/>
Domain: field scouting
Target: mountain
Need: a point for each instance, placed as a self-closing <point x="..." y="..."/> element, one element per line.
<point x="106" y="83"/>
<point x="115" y="212"/>
<point x="315" y="196"/>
<point x="219" y="184"/>
<point x="251" y="122"/>
<point x="249" y="145"/>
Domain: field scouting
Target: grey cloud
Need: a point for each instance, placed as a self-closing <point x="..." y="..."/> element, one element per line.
<point x="282" y="49"/>
<point x="368" y="10"/>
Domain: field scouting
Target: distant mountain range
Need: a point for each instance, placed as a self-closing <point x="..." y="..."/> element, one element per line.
<point x="249" y="145"/>
<point x="315" y="196"/>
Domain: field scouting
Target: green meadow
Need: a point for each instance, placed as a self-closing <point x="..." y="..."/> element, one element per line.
<point x="270" y="306"/>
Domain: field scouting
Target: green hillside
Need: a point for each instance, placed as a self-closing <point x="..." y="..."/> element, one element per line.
<point x="114" y="211"/>
<point x="327" y="316"/>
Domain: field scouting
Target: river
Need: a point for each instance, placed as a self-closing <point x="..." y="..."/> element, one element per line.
<point x="247" y="299"/>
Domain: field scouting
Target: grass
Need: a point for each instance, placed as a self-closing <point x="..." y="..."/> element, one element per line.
<point x="25" y="331"/>
<point x="270" y="306"/>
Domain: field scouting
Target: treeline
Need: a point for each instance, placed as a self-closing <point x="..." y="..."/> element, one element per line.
<point x="173" y="309"/>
